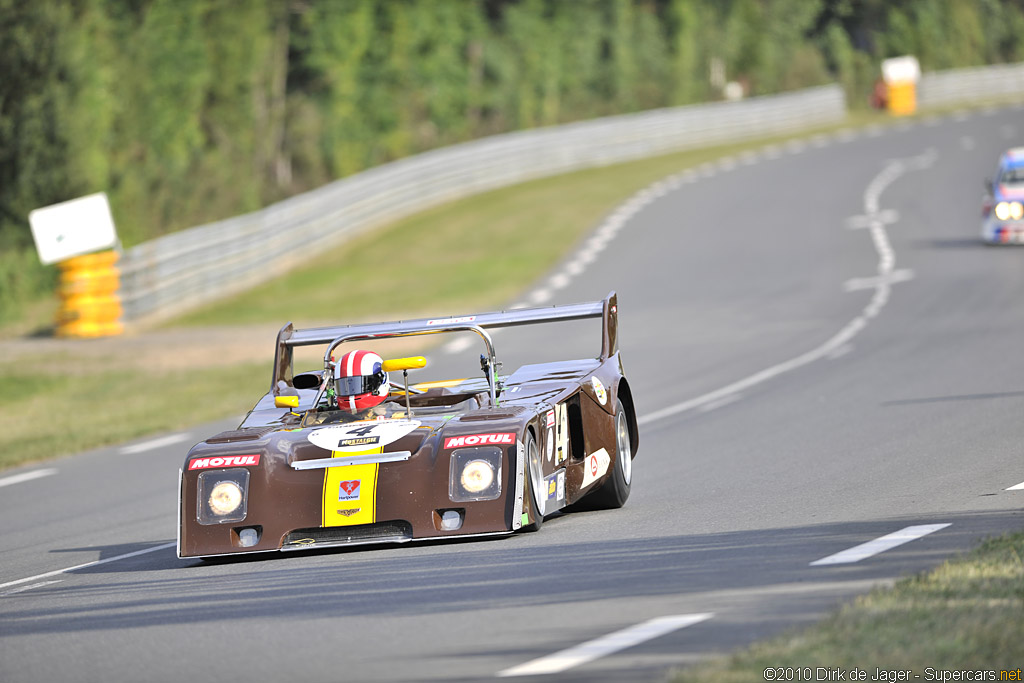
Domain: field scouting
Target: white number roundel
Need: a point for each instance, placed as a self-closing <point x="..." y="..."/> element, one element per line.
<point x="361" y="436"/>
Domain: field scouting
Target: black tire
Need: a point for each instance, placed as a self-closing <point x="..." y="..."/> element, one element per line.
<point x="615" y="490"/>
<point x="535" y="484"/>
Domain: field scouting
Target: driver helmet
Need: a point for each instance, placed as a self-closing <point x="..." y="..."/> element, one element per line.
<point x="360" y="381"/>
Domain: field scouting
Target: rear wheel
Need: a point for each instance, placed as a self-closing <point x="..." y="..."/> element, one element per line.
<point x="535" y="472"/>
<point x="615" y="490"/>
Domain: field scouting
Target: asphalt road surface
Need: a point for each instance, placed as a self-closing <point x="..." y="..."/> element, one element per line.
<point x="828" y="372"/>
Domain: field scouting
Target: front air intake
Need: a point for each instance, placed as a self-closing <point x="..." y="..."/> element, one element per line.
<point x="382" y="532"/>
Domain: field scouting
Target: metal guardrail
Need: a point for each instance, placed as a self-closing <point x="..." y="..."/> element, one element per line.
<point x="957" y="86"/>
<point x="182" y="270"/>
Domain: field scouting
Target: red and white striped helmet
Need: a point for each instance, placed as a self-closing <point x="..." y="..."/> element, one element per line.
<point x="360" y="381"/>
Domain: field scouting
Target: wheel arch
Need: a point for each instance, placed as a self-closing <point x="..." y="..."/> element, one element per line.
<point x="626" y="396"/>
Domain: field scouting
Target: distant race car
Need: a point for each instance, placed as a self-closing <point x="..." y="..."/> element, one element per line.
<point x="349" y="455"/>
<point x="1003" y="207"/>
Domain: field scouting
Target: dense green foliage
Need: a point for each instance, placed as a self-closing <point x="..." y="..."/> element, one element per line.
<point x="186" y="111"/>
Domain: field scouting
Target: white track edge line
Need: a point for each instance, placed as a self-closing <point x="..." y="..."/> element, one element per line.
<point x="880" y="544"/>
<point x="88" y="564"/>
<point x="605" y="645"/>
<point x="27" y="476"/>
<point x="886" y="263"/>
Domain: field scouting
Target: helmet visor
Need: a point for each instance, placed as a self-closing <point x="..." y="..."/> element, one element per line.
<point x="360" y="384"/>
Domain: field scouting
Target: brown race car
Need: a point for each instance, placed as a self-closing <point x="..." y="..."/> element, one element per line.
<point x="352" y="455"/>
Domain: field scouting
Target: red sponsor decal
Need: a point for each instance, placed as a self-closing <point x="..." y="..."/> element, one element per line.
<point x="551" y="418"/>
<point x="593" y="465"/>
<point x="225" y="461"/>
<point x="480" y="440"/>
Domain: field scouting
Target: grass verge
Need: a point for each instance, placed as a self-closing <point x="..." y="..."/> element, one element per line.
<point x="965" y="615"/>
<point x="69" y="404"/>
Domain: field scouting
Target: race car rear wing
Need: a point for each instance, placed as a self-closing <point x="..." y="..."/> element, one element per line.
<point x="289" y="337"/>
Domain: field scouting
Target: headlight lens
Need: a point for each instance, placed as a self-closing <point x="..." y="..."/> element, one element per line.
<point x="477" y="475"/>
<point x="222" y="496"/>
<point x="1009" y="210"/>
<point x="225" y="498"/>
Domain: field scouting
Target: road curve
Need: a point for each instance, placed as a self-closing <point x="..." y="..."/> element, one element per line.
<point x="826" y="366"/>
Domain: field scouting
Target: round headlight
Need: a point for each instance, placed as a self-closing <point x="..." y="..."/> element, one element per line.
<point x="1003" y="210"/>
<point x="477" y="476"/>
<point x="225" y="498"/>
<point x="1016" y="210"/>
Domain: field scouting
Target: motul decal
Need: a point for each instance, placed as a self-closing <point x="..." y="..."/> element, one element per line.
<point x="480" y="440"/>
<point x="225" y="461"/>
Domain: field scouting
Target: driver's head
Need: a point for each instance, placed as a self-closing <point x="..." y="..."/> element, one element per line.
<point x="360" y="381"/>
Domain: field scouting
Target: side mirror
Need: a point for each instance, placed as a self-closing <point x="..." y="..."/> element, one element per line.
<point x="286" y="401"/>
<point x="987" y="182"/>
<point x="411" y="363"/>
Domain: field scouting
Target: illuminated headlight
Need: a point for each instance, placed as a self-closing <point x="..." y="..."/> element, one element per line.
<point x="475" y="474"/>
<point x="222" y="496"/>
<point x="1009" y="211"/>
<point x="225" y="498"/>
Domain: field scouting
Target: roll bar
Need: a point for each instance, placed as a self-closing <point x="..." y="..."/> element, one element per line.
<point x="289" y="337"/>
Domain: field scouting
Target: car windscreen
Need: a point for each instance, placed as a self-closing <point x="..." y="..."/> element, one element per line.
<point x="1012" y="175"/>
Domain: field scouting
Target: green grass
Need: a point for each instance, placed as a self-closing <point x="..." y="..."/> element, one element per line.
<point x="69" y="404"/>
<point x="965" y="615"/>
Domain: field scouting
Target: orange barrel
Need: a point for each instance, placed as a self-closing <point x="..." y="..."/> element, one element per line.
<point x="90" y="305"/>
<point x="902" y="98"/>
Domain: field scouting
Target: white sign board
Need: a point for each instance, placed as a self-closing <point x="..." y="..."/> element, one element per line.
<point x="73" y="228"/>
<point x="901" y="70"/>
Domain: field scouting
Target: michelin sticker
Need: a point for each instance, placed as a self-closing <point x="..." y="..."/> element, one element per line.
<point x="361" y="436"/>
<point x="549" y="443"/>
<point x="599" y="391"/>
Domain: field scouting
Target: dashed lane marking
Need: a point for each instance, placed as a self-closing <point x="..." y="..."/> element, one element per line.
<point x="26" y="476"/>
<point x="153" y="444"/>
<point x="887" y="542"/>
<point x="605" y="645"/>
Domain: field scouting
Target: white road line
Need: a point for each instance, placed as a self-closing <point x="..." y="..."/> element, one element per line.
<point x="859" y="283"/>
<point x="26" y="476"/>
<point x="1018" y="487"/>
<point x="154" y="443"/>
<point x="883" y="287"/>
<point x="88" y="564"/>
<point x="605" y="645"/>
<point x="865" y="550"/>
<point x="22" y="589"/>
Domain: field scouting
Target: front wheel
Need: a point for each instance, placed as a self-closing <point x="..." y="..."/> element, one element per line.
<point x="535" y="472"/>
<point x="615" y="490"/>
